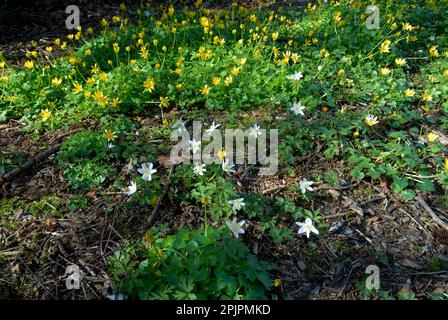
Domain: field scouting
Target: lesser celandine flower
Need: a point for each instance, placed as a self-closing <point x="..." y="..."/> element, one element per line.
<point x="446" y="164"/>
<point x="221" y="154"/>
<point x="164" y="102"/>
<point x="385" y="46"/>
<point x="307" y="227"/>
<point x="56" y="81"/>
<point x="45" y="114"/>
<point x="149" y="84"/>
<point x="426" y="96"/>
<point x="205" y="90"/>
<point x="409" y="93"/>
<point x="236" y="227"/>
<point x="109" y="135"/>
<point x="371" y="120"/>
<point x="432" y="136"/>
<point x="400" y="62"/>
<point x="385" y="71"/>
<point x="29" y="64"/>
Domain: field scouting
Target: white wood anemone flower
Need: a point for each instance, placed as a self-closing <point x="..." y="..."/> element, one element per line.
<point x="199" y="169"/>
<point x="236" y="227"/>
<point x="305" y="185"/>
<point x="307" y="227"/>
<point x="297" y="108"/>
<point x="132" y="188"/>
<point x="212" y="128"/>
<point x="146" y="171"/>
<point x="237" y="204"/>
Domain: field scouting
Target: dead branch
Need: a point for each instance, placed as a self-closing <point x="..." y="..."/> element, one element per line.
<point x="433" y="215"/>
<point x="159" y="201"/>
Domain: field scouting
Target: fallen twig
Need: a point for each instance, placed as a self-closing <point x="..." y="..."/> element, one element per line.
<point x="433" y="215"/>
<point x="159" y="201"/>
<point x="41" y="156"/>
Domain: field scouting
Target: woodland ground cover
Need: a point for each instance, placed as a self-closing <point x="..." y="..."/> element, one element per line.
<point x="355" y="108"/>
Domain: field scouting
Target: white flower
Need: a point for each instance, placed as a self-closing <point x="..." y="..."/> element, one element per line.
<point x="307" y="227"/>
<point x="237" y="203"/>
<point x="195" y="145"/>
<point x="146" y="13"/>
<point x="131" y="189"/>
<point x="137" y="133"/>
<point x="116" y="297"/>
<point x="297" y="108"/>
<point x="146" y="171"/>
<point x="432" y="38"/>
<point x="179" y="126"/>
<point x="305" y="185"/>
<point x="319" y="68"/>
<point x="227" y="166"/>
<point x="236" y="227"/>
<point x="199" y="169"/>
<point x="110" y="146"/>
<point x="296" y="76"/>
<point x="255" y="131"/>
<point x="212" y="128"/>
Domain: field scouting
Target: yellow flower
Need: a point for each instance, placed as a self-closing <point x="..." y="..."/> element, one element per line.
<point x="337" y="17"/>
<point x="385" y="46"/>
<point x="341" y="72"/>
<point x="324" y="53"/>
<point x="115" y="102"/>
<point x="216" y="80"/>
<point x="407" y="26"/>
<point x="109" y="135"/>
<point x="179" y="85"/>
<point x="205" y="91"/>
<point x="116" y="19"/>
<point x="100" y="98"/>
<point x="274" y="36"/>
<point x="149" y="84"/>
<point x="49" y="49"/>
<point x="56" y="81"/>
<point x="45" y="114"/>
<point x="277" y="282"/>
<point x="77" y="87"/>
<point x="29" y="64"/>
<point x="356" y="134"/>
<point x="235" y="71"/>
<point x="445" y="74"/>
<point x="432" y="137"/>
<point x="2" y="64"/>
<point x="229" y="80"/>
<point x="433" y="51"/>
<point x="164" y="102"/>
<point x="116" y="47"/>
<point x="446" y="164"/>
<point x="88" y="52"/>
<point x="90" y="80"/>
<point x="400" y="62"/>
<point x="144" y="52"/>
<point x="221" y="154"/>
<point x="371" y="120"/>
<point x="103" y="76"/>
<point x="427" y="97"/>
<point x="385" y="71"/>
<point x="165" y="122"/>
<point x="409" y="93"/>
<point x="95" y="69"/>
<point x="57" y="41"/>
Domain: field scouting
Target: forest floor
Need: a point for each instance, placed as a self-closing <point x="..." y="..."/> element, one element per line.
<point x="42" y="231"/>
